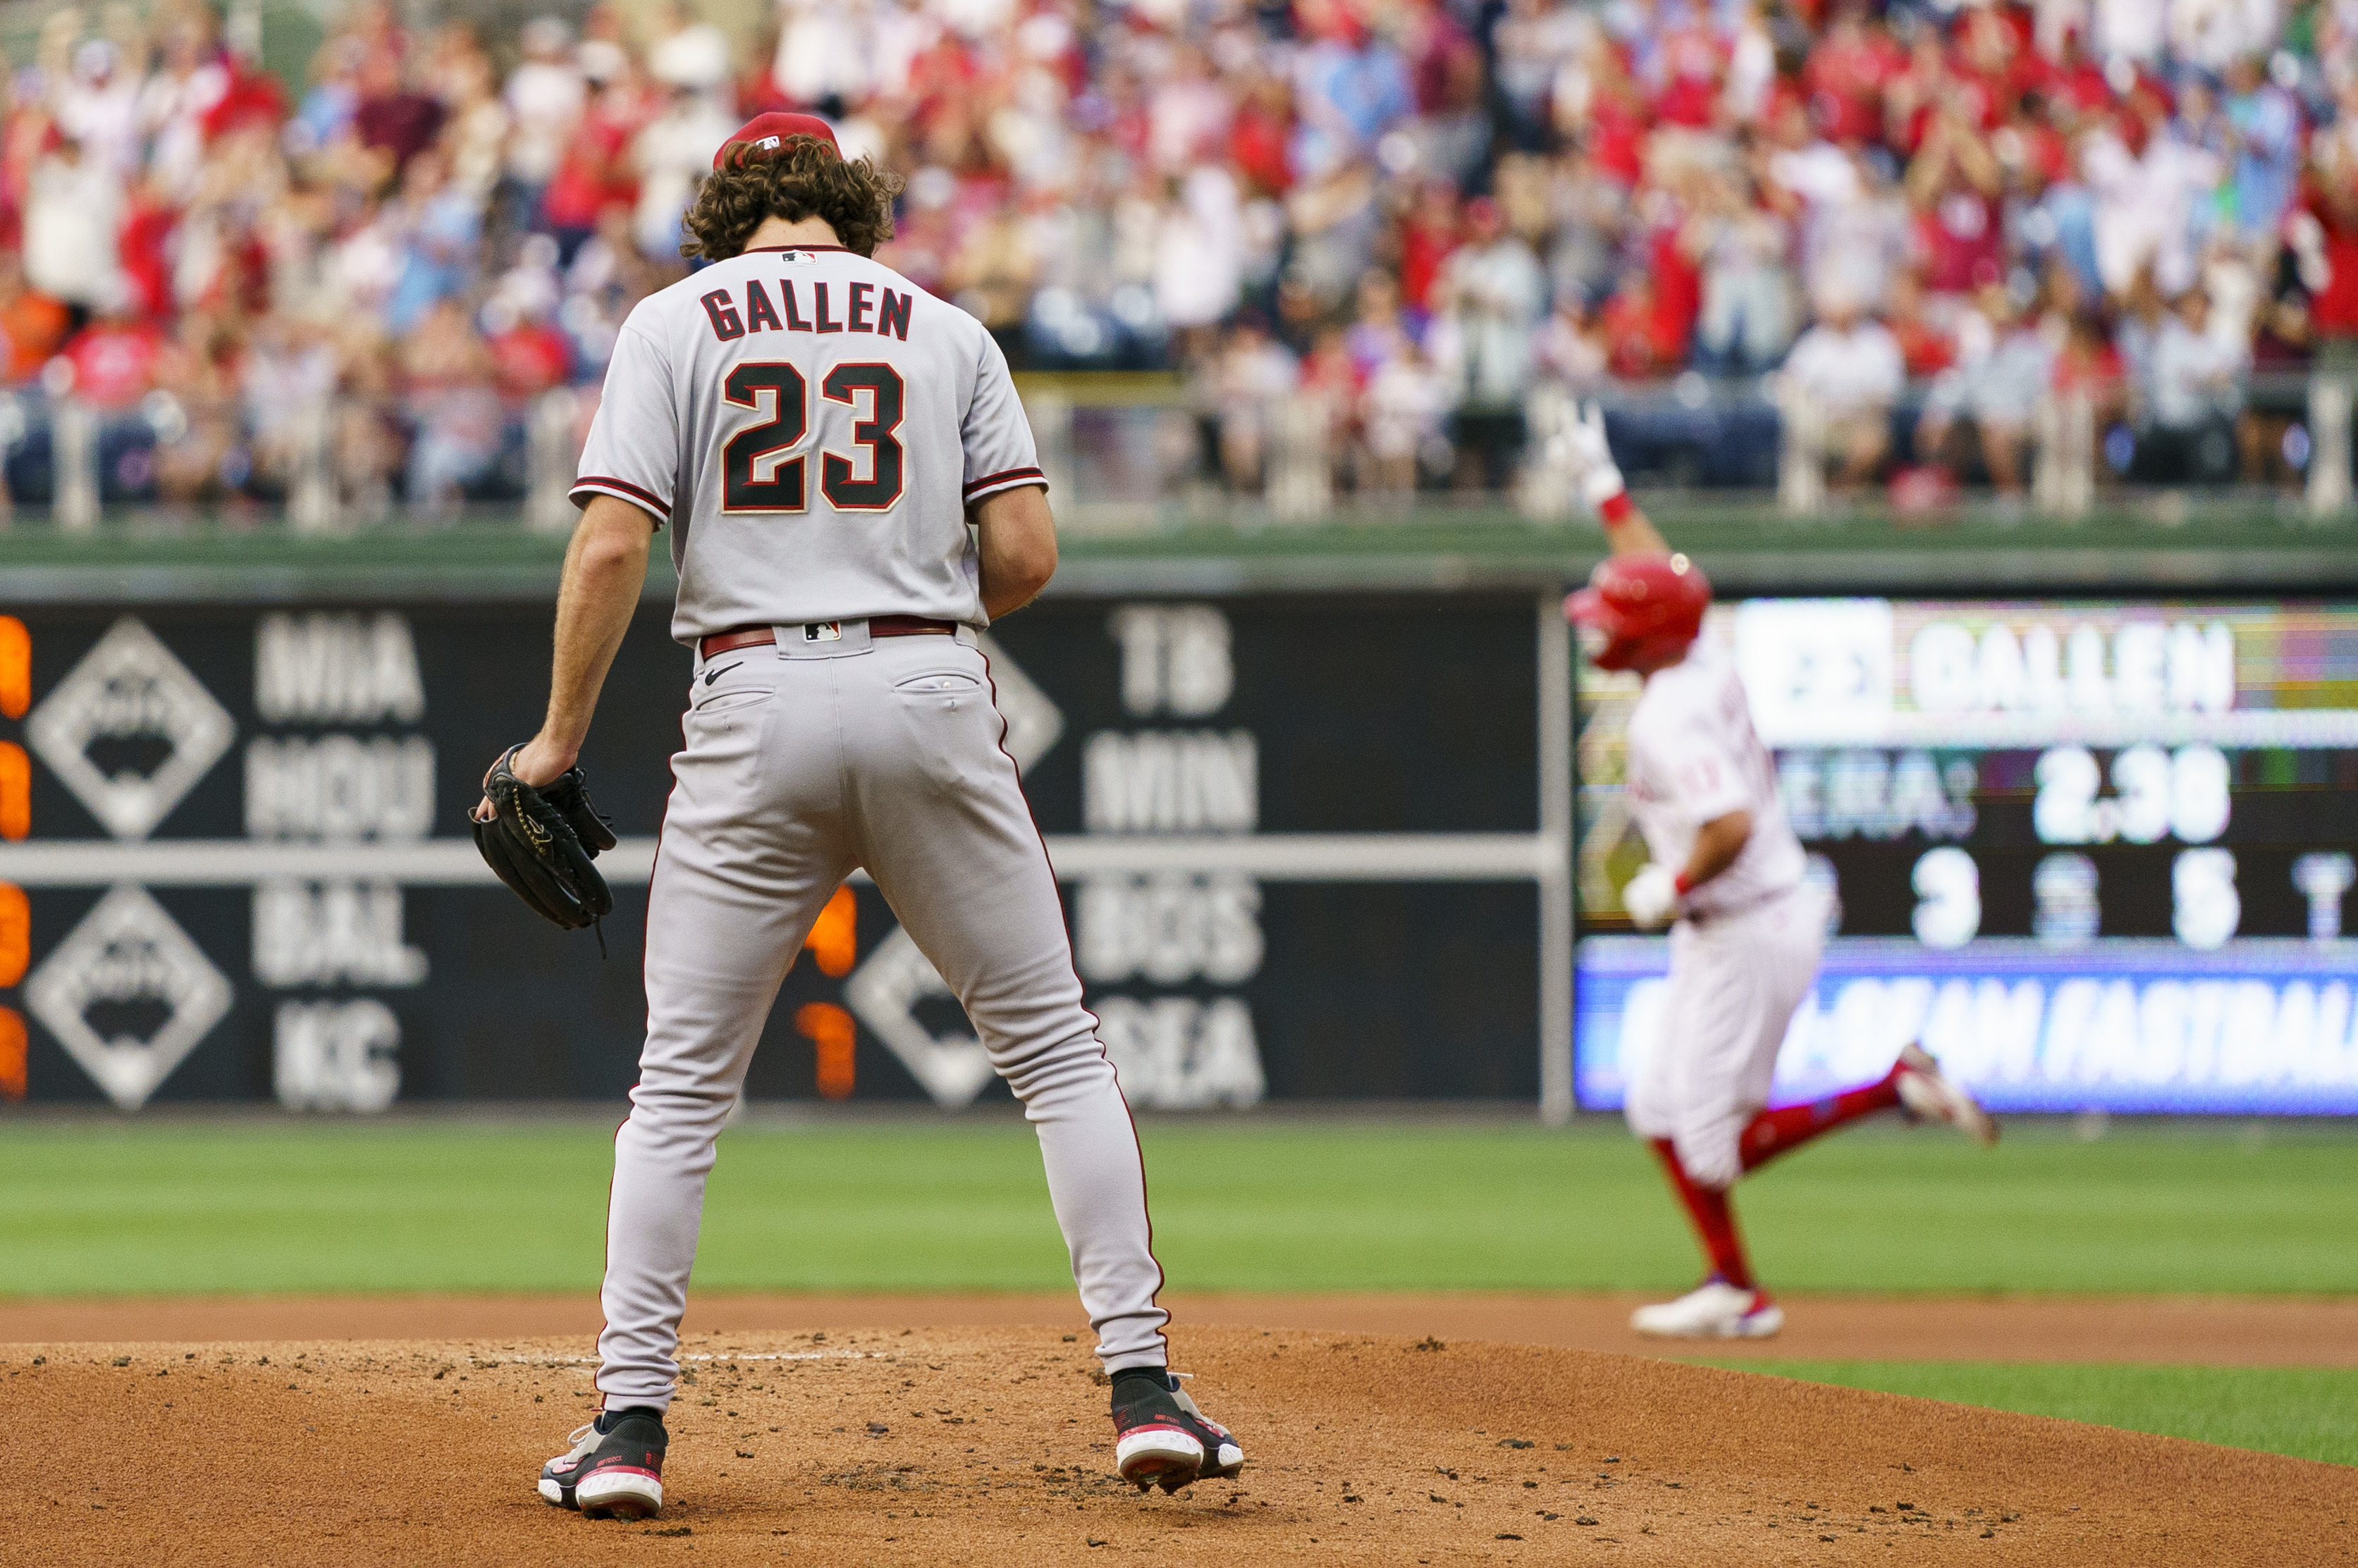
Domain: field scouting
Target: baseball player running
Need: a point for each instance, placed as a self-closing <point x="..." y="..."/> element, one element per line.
<point x="852" y="492"/>
<point x="1746" y="928"/>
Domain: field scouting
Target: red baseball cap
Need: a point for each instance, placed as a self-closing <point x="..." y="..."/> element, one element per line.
<point x="767" y="133"/>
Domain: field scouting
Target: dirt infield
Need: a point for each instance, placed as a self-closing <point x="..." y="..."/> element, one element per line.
<point x="991" y="1446"/>
<point x="2181" y="1330"/>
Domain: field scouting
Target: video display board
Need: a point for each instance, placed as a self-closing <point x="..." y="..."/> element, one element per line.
<point x="1299" y="840"/>
<point x="2093" y="855"/>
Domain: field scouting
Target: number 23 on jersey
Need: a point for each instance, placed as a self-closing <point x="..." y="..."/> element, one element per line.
<point x="870" y="480"/>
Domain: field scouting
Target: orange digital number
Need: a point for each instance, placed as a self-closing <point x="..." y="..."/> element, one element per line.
<point x="12" y="1054"/>
<point x="16" y="934"/>
<point x="829" y="1028"/>
<point x="16" y="667"/>
<point x="16" y="791"/>
<point x="833" y="938"/>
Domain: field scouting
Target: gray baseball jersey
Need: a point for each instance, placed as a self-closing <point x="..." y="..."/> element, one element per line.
<point x="813" y="426"/>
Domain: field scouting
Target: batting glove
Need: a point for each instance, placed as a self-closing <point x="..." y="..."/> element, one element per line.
<point x="1595" y="476"/>
<point x="1651" y="897"/>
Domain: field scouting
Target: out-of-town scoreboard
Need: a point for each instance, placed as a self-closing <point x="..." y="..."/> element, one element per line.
<point x="1312" y="847"/>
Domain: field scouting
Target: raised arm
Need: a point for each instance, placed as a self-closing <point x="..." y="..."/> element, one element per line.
<point x="1597" y="478"/>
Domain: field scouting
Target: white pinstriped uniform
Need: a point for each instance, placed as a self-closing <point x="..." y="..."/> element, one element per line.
<point x="1745" y="951"/>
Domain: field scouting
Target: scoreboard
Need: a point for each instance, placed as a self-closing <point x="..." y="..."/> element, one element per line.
<point x="2093" y="855"/>
<point x="1311" y="847"/>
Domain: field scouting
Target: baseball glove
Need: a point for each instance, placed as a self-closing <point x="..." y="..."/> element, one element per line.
<point x="541" y="842"/>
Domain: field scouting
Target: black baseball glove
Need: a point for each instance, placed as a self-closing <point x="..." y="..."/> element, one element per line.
<point x="542" y="841"/>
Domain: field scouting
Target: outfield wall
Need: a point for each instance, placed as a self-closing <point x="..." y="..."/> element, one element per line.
<point x="1304" y="842"/>
<point x="1310" y="798"/>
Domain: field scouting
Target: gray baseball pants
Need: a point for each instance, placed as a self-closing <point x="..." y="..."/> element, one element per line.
<point x="805" y="761"/>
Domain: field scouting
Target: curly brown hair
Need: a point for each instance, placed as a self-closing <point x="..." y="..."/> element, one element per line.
<point x="804" y="179"/>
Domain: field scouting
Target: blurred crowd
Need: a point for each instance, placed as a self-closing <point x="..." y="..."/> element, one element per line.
<point x="1921" y="218"/>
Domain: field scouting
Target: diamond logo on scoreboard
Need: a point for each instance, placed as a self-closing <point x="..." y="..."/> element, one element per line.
<point x="885" y="991"/>
<point x="1034" y="722"/>
<point x="128" y="691"/>
<point x="126" y="957"/>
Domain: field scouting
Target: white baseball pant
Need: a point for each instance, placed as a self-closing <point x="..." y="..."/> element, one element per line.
<point x="1734" y="982"/>
<point x="804" y="760"/>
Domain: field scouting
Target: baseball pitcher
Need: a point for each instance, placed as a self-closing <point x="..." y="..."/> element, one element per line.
<point x="1725" y="874"/>
<point x="852" y="493"/>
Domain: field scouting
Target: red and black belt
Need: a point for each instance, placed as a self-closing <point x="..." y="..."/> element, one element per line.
<point x="878" y="626"/>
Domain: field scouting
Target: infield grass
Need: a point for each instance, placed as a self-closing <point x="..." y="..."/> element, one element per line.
<point x="2310" y="1412"/>
<point x="430" y="1204"/>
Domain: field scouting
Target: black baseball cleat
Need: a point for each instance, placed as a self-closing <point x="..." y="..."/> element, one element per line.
<point x="615" y="1469"/>
<point x="1161" y="1439"/>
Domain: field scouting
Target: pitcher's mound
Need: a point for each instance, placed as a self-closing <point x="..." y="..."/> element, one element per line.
<point x="991" y="1447"/>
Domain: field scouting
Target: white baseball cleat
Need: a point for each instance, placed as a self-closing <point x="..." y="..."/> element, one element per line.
<point x="1928" y="1095"/>
<point x="1712" y="1310"/>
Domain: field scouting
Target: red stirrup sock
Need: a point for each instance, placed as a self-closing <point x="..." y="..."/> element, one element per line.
<point x="1771" y="1132"/>
<point x="1714" y="1217"/>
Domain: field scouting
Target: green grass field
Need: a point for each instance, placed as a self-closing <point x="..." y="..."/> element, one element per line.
<point x="263" y="1205"/>
<point x="2309" y="1411"/>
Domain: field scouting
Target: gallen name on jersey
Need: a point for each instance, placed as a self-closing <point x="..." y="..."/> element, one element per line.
<point x="868" y="309"/>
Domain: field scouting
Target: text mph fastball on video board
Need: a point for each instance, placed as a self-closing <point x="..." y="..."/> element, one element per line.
<point x="2092" y="855"/>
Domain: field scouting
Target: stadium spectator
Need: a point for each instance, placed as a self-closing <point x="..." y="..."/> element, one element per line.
<point x="1425" y="236"/>
<point x="285" y="381"/>
<point x="477" y="123"/>
<point x="452" y="399"/>
<point x="1746" y="320"/>
<point x="393" y="122"/>
<point x="1488" y="306"/>
<point x="2276" y="404"/>
<point x="1571" y="349"/>
<point x="1401" y="409"/>
<point x="1954" y="185"/>
<point x="436" y="227"/>
<point x="1926" y="347"/>
<point x="1199" y="250"/>
<point x="2194" y="393"/>
<point x="529" y="355"/>
<point x="73" y="205"/>
<point x="33" y="325"/>
<point x="2004" y="369"/>
<point x="1350" y="86"/>
<point x="2090" y="364"/>
<point x="691" y="55"/>
<point x="99" y="107"/>
<point x="114" y="360"/>
<point x="1458" y="201"/>
<point x="1850" y="369"/>
<point x="2147" y="172"/>
<point x="545" y="96"/>
<point x="594" y="170"/>
<point x="2264" y="133"/>
<point x="672" y="153"/>
<point x="206" y="461"/>
<point x="1252" y="373"/>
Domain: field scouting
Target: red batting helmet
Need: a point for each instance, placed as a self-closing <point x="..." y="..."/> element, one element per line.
<point x="1647" y="604"/>
<point x="765" y="134"/>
